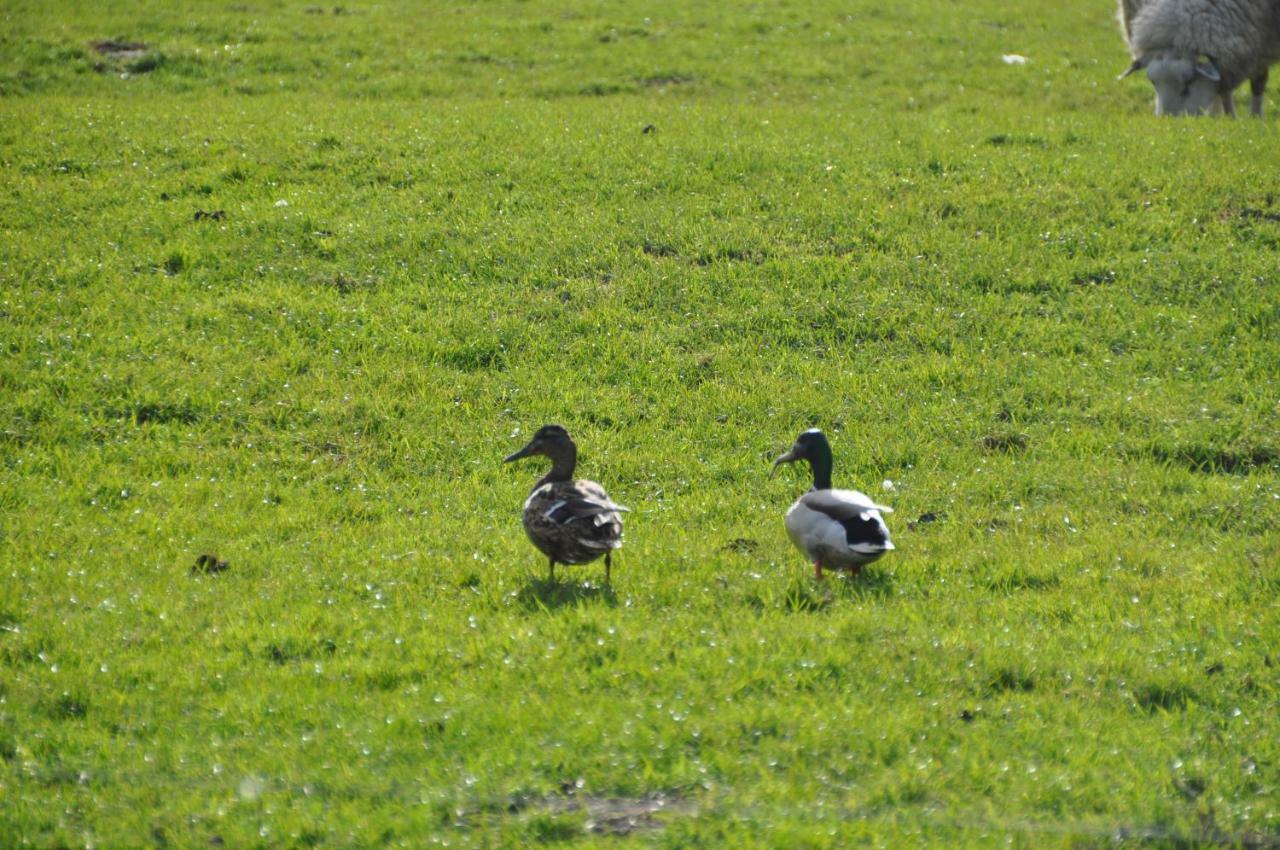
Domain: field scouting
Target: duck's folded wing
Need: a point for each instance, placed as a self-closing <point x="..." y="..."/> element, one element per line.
<point x="595" y="525"/>
<point x="581" y="509"/>
<point x="592" y="491"/>
<point x="864" y="529"/>
<point x="842" y="504"/>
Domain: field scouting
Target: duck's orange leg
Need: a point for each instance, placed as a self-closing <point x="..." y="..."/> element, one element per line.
<point x="817" y="570"/>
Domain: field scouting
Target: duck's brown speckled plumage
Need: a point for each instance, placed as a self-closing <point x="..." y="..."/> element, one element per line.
<point x="571" y="521"/>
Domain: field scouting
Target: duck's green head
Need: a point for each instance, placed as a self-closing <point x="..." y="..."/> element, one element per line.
<point x="812" y="446"/>
<point x="551" y="441"/>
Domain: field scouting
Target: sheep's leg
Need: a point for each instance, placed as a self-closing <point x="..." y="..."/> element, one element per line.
<point x="1257" y="86"/>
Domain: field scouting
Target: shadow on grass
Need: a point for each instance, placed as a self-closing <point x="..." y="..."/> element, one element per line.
<point x="541" y="594"/>
<point x="870" y="585"/>
<point x="805" y="594"/>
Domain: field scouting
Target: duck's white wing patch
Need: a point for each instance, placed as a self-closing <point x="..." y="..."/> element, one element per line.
<point x="872" y="548"/>
<point x="601" y="544"/>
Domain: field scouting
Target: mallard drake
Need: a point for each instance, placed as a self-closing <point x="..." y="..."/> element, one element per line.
<point x="570" y="521"/>
<point x="836" y="529"/>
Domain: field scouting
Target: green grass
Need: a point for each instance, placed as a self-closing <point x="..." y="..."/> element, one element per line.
<point x="289" y="283"/>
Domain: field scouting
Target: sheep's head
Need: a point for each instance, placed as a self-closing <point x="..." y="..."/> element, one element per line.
<point x="1185" y="85"/>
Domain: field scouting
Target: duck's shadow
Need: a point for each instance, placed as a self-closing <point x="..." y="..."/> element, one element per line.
<point x="806" y="595"/>
<point x="868" y="585"/>
<point x="542" y="594"/>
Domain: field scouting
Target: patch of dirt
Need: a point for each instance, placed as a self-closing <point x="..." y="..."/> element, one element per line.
<point x="209" y="564"/>
<point x="120" y="51"/>
<point x="1004" y="442"/>
<point x="666" y="80"/>
<point x="925" y="519"/>
<point x="616" y="815"/>
<point x="1256" y="214"/>
<point x="741" y="545"/>
<point x="658" y="249"/>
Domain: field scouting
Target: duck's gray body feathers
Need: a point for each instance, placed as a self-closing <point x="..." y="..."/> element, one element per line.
<point x="840" y="529"/>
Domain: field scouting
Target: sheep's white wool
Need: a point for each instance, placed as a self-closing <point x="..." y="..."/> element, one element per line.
<point x="1196" y="52"/>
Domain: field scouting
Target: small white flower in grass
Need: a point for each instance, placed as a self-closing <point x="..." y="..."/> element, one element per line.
<point x="889" y="486"/>
<point x="282" y="203"/>
<point x="1013" y="59"/>
<point x="250" y="788"/>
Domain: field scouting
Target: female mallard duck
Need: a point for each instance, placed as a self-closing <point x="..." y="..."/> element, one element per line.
<point x="571" y="522"/>
<point x="837" y="529"/>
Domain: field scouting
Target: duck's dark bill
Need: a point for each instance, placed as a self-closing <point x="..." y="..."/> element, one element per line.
<point x="789" y="457"/>
<point x="517" y="455"/>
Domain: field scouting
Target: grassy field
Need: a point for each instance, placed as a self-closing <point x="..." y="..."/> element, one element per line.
<point x="288" y="281"/>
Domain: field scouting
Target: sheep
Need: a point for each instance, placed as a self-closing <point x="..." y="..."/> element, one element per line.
<point x="1196" y="52"/>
